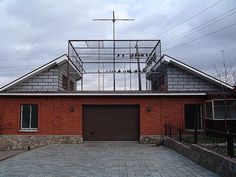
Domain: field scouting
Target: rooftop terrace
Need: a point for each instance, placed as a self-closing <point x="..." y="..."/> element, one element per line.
<point x="112" y="65"/>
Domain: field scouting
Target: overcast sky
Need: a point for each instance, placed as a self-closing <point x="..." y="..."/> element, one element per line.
<point x="33" y="32"/>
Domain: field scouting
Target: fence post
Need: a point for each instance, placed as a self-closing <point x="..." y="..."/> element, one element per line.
<point x="230" y="145"/>
<point x="195" y="136"/>
<point x="180" y="135"/>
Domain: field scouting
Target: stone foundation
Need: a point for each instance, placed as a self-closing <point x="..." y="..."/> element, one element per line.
<point x="151" y="139"/>
<point x="24" y="142"/>
<point x="21" y="142"/>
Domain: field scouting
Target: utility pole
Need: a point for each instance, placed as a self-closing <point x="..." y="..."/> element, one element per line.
<point x="139" y="71"/>
<point x="114" y="19"/>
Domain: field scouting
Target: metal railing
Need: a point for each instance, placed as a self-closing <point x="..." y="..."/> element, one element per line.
<point x="220" y="142"/>
<point x="126" y="66"/>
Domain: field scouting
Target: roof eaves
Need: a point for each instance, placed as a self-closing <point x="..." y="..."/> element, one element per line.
<point x="34" y="72"/>
<point x="104" y="94"/>
<point x="174" y="61"/>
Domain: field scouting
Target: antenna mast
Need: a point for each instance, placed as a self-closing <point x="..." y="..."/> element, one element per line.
<point x="114" y="19"/>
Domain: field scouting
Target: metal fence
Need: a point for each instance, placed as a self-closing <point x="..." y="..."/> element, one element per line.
<point x="115" y="65"/>
<point x="220" y="142"/>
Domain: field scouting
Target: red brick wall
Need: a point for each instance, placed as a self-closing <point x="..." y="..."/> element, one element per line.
<point x="2" y="104"/>
<point x="55" y="117"/>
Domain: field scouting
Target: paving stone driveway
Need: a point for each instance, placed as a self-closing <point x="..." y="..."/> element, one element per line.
<point x="102" y="160"/>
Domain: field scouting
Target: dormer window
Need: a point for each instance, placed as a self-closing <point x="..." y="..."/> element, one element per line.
<point x="72" y="86"/>
<point x="161" y="80"/>
<point x="64" y="82"/>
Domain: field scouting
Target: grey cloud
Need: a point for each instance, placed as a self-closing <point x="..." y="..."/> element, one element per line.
<point x="33" y="28"/>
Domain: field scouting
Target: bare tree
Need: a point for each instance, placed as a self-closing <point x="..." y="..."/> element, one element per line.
<point x="234" y="77"/>
<point x="226" y="72"/>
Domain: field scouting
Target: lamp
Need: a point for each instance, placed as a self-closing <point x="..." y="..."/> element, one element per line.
<point x="149" y="109"/>
<point x="72" y="108"/>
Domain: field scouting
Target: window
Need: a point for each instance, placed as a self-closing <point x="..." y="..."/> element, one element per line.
<point x="72" y="85"/>
<point x="29" y="116"/>
<point x="224" y="108"/>
<point x="193" y="116"/>
<point x="64" y="82"/>
<point x="221" y="109"/>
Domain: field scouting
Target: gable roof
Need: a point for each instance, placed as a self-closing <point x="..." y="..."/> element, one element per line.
<point x="165" y="59"/>
<point x="58" y="61"/>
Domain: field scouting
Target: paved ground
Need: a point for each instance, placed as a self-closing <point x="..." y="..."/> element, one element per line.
<point x="6" y="154"/>
<point x="101" y="160"/>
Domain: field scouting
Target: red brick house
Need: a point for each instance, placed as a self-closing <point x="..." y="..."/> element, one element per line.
<point x="96" y="93"/>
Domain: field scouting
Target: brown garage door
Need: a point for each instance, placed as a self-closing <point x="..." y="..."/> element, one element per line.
<point x="111" y="122"/>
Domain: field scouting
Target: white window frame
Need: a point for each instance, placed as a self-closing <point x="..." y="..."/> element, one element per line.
<point x="212" y="107"/>
<point x="30" y="116"/>
<point x="213" y="110"/>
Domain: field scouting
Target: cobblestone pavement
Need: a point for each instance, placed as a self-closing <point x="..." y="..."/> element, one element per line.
<point x="101" y="160"/>
<point x="6" y="154"/>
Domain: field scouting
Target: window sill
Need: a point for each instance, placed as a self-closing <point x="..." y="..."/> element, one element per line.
<point x="219" y="119"/>
<point x="28" y="130"/>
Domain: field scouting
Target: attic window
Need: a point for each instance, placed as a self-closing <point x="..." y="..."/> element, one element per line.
<point x="64" y="82"/>
<point x="72" y="85"/>
<point x="161" y="80"/>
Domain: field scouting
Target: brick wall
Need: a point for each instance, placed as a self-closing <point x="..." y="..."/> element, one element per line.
<point x="2" y="106"/>
<point x="45" y="81"/>
<point x="49" y="80"/>
<point x="55" y="117"/>
<point x="180" y="80"/>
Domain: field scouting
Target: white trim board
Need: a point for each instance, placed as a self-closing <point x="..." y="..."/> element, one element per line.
<point x="103" y="94"/>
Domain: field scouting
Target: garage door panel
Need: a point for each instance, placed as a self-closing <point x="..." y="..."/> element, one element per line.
<point x="110" y="122"/>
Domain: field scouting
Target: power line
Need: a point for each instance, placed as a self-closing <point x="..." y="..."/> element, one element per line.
<point x="206" y="24"/>
<point x="196" y="39"/>
<point x="35" y="58"/>
<point x="6" y="67"/>
<point x="28" y="69"/>
<point x="190" y="18"/>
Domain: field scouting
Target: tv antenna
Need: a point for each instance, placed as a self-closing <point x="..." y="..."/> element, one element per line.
<point x="113" y="19"/>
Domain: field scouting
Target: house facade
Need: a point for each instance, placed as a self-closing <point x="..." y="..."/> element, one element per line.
<point x="48" y="105"/>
